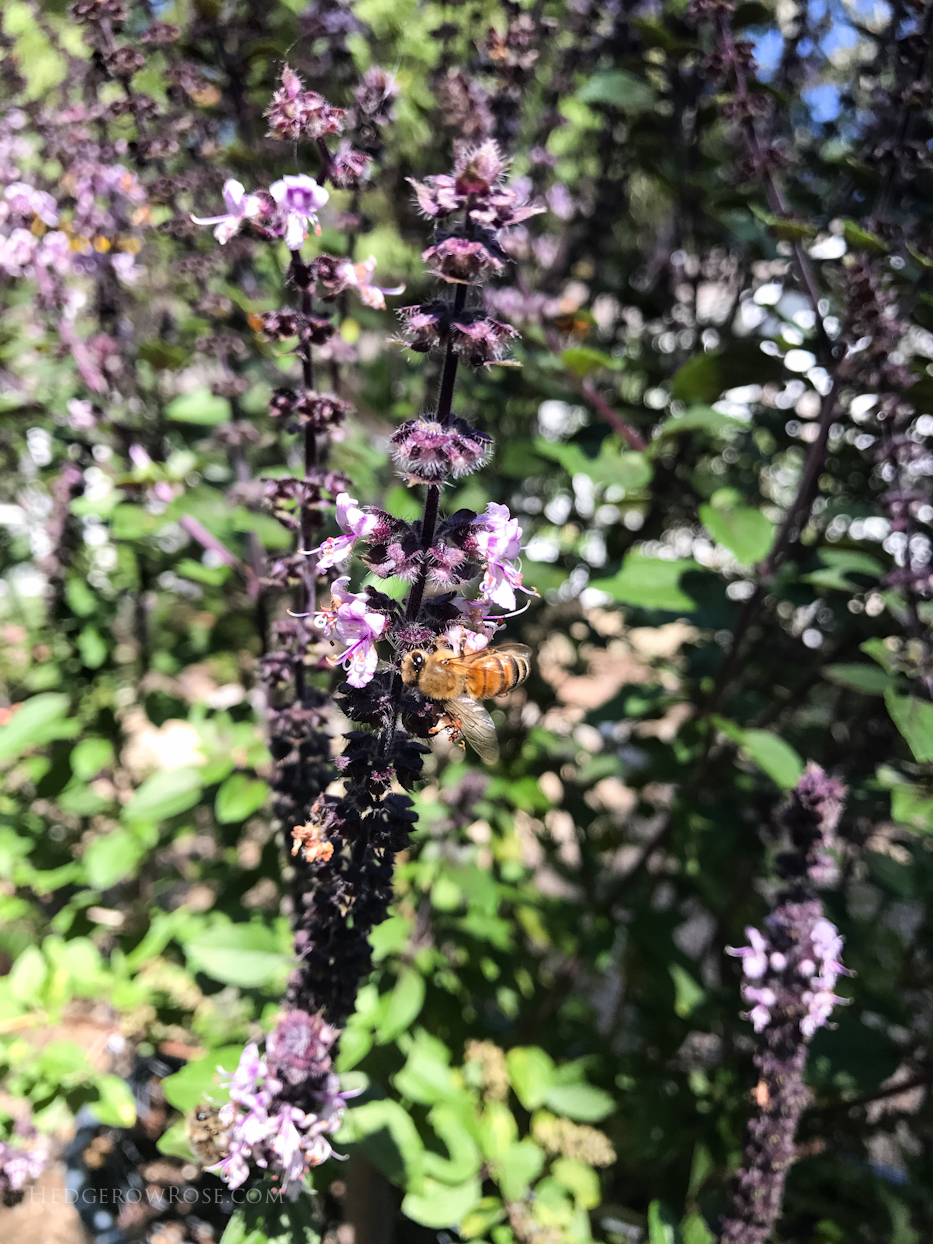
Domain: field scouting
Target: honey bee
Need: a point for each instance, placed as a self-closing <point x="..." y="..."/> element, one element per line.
<point x="207" y="1134"/>
<point x="460" y="681"/>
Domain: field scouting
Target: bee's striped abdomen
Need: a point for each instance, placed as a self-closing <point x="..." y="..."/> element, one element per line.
<point x="501" y="671"/>
<point x="520" y="667"/>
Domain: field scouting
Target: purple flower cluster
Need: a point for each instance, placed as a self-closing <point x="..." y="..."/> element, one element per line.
<point x="285" y="210"/>
<point x="46" y="240"/>
<point x="794" y="966"/>
<point x="472" y="207"/>
<point x="284" y="1105"/>
<point x="790" y="973"/>
<point x="463" y="546"/>
<point x="19" y="1165"/>
<point x="299" y="114"/>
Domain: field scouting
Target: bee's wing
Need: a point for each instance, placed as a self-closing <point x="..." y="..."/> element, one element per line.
<point x="477" y="727"/>
<point x="518" y="650"/>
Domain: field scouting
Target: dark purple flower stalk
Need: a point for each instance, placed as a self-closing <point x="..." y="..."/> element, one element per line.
<point x="350" y="841"/>
<point x="286" y="1102"/>
<point x="876" y="332"/>
<point x="789" y="976"/>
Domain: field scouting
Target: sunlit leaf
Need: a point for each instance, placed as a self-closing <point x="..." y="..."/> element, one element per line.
<point x="914" y="719"/>
<point x="247" y="955"/>
<point x="650" y="582"/>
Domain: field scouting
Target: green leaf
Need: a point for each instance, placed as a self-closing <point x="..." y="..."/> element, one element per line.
<point x="355" y="1044"/>
<point x="705" y="377"/>
<point x="687" y="993"/>
<point x="89" y="756"/>
<point x="914" y="719"/>
<point x="518" y="1167"/>
<point x="786" y="230"/>
<point x="389" y="1138"/>
<point x="867" y="679"/>
<point x="661" y="1228"/>
<point x="619" y="89"/>
<point x="581" y="360"/>
<point x="698" y="380"/>
<point x="92" y="646"/>
<point x="580" y="1179"/>
<point x="239" y="797"/>
<point x="116" y="1105"/>
<point x="28" y="975"/>
<point x="273" y="1219"/>
<point x="497" y="1129"/>
<point x="198" y="1081"/>
<point x="163" y="355"/>
<point x="391" y="937"/>
<point x="531" y="1072"/>
<point x="851" y="560"/>
<point x="650" y="583"/>
<point x="165" y="794"/>
<point x="81" y="600"/>
<point x="112" y="857"/>
<point x="199" y="406"/>
<point x="213" y="576"/>
<point x="440" y="1205"/>
<point x="132" y="522"/>
<point x="247" y="955"/>
<point x="693" y="1230"/>
<point x="775" y="757"/>
<point x="612" y="466"/>
<point x="839" y="564"/>
<point x="404" y="1007"/>
<point x="744" y="531"/>
<point x="174" y="1142"/>
<point x="700" y="418"/>
<point x="63" y="1059"/>
<point x="582" y="1102"/>
<point x="269" y="530"/>
<point x="700" y="1167"/>
<point x="485" y="1214"/>
<point x="465" y="1159"/>
<point x="38" y="720"/>
<point x="879" y="651"/>
<point x="861" y="239"/>
<point x="913" y="806"/>
<point x="427" y="1077"/>
<point x="918" y="257"/>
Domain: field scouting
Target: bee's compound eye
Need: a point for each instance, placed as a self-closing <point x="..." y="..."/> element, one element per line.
<point x="417" y="660"/>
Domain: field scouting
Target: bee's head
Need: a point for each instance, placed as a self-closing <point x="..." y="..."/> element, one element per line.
<point x="412" y="665"/>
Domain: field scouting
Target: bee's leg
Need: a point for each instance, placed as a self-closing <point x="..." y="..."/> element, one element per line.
<point x="454" y="725"/>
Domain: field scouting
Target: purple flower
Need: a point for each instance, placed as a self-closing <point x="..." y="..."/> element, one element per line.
<point x="26" y="201"/>
<point x="426" y="324"/>
<point x="754" y="956"/>
<point x="299" y="1046"/>
<point x="463" y="259"/>
<point x="17" y="252"/>
<point x="497" y="539"/>
<point x="764" y="999"/>
<point x="240" y="206"/>
<point x="19" y="1165"/>
<point x="427" y="451"/>
<point x="300" y="198"/>
<point x="268" y="1132"/>
<point x="358" y="523"/>
<point x="359" y="276"/>
<point x="355" y="624"/>
<point x="296" y="113"/>
<point x="480" y="339"/>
